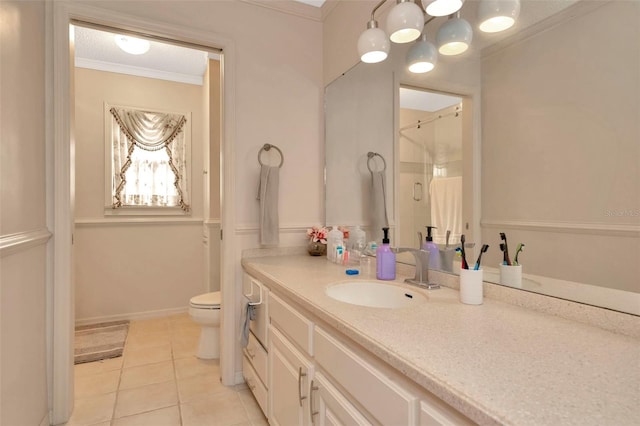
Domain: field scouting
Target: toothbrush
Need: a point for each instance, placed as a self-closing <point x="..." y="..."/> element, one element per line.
<point x="505" y="249"/>
<point x="518" y="250"/>
<point x="482" y="250"/>
<point x="465" y="265"/>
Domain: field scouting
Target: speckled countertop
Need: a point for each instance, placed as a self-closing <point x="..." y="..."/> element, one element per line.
<point x="496" y="363"/>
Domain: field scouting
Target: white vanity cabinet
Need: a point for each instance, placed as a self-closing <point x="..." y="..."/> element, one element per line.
<point x="290" y="366"/>
<point x="255" y="357"/>
<point x="318" y="377"/>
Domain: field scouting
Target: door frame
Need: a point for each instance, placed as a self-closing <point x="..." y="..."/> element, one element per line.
<point x="60" y="195"/>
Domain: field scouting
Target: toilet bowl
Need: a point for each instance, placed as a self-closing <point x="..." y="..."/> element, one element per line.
<point x="204" y="309"/>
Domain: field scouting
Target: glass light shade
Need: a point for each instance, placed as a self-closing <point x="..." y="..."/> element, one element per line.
<point x="132" y="45"/>
<point x="454" y="37"/>
<point x="422" y="57"/>
<point x="441" y="7"/>
<point x="373" y="45"/>
<point x="405" y="22"/>
<point x="497" y="15"/>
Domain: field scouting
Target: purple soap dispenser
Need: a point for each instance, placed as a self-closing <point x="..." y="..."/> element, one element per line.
<point x="385" y="259"/>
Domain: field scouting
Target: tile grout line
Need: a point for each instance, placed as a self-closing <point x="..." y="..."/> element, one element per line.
<point x="175" y="376"/>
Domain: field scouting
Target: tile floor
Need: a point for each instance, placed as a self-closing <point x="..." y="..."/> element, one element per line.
<point x="159" y="382"/>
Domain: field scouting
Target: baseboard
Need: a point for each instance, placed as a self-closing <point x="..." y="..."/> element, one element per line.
<point x="239" y="378"/>
<point x="132" y="316"/>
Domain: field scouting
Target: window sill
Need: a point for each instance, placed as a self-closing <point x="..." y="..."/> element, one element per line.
<point x="145" y="211"/>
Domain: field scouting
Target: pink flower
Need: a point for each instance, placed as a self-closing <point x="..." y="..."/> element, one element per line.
<point x="317" y="234"/>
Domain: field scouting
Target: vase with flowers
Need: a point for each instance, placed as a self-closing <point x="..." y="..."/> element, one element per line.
<point x="317" y="245"/>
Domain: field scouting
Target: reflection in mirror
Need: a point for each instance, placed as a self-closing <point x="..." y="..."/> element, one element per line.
<point x="557" y="131"/>
<point x="430" y="172"/>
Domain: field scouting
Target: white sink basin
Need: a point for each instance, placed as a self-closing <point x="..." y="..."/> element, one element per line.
<point x="375" y="294"/>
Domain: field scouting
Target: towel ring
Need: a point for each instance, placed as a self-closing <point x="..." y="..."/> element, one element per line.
<point x="267" y="147"/>
<point x="370" y="156"/>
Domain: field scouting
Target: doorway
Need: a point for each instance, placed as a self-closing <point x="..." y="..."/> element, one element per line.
<point x="63" y="197"/>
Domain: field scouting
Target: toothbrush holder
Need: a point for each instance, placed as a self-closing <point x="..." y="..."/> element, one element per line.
<point x="471" y="286"/>
<point x="511" y="275"/>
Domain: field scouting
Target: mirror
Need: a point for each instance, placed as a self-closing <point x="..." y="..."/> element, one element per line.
<point x="550" y="148"/>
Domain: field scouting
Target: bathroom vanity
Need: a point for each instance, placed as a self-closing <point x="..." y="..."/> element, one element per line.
<point x="435" y="361"/>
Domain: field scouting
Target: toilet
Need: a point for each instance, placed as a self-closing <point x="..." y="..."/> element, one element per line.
<point x="204" y="309"/>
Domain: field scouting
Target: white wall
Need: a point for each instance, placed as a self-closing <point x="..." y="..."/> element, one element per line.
<point x="125" y="268"/>
<point x="23" y="232"/>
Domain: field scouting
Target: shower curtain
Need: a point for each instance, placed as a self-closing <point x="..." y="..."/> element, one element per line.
<point x="446" y="208"/>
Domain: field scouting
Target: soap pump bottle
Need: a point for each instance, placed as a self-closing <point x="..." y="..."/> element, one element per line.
<point x="385" y="259"/>
<point x="432" y="248"/>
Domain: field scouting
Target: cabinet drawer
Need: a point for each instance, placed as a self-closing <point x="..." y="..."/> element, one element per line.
<point x="254" y="384"/>
<point x="257" y="357"/>
<point x="297" y="328"/>
<point x="332" y="407"/>
<point x="387" y="401"/>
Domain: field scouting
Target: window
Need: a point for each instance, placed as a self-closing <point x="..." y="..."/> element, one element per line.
<point x="149" y="152"/>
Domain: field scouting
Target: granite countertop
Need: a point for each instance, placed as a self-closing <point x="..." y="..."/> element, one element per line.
<point x="496" y="363"/>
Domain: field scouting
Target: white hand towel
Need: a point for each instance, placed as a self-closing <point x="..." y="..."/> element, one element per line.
<point x="379" y="218"/>
<point x="268" y="197"/>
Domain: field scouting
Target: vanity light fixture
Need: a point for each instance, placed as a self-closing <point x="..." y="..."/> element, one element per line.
<point x="454" y="36"/>
<point x="132" y="45"/>
<point x="405" y="21"/>
<point x="441" y="7"/>
<point x="422" y="57"/>
<point x="497" y="15"/>
<point x="373" y="43"/>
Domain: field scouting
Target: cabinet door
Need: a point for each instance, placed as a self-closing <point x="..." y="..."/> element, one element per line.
<point x="289" y="376"/>
<point x="331" y="408"/>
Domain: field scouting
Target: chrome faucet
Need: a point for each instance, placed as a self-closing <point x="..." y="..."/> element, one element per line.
<point x="422" y="267"/>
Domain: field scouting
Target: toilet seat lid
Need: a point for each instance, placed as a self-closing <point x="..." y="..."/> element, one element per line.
<point x="206" y="300"/>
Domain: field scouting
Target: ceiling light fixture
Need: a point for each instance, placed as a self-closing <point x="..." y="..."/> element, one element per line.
<point x="405" y="21"/>
<point x="441" y="7"/>
<point x="454" y="36"/>
<point x="497" y="15"/>
<point x="132" y="45"/>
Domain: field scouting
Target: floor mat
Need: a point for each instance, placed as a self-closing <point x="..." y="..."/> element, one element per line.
<point x="100" y="341"/>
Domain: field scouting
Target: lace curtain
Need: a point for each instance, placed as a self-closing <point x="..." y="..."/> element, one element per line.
<point x="149" y="159"/>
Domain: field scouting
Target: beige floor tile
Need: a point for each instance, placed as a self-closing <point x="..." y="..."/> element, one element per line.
<point x="96" y="384"/>
<point x="184" y="349"/>
<point x="202" y="386"/>
<point x="169" y="416"/>
<point x="146" y="398"/>
<point x="193" y="366"/>
<point x="185" y="334"/>
<point x="92" y="410"/>
<point x="142" y="375"/>
<point x="91" y="368"/>
<point x="147" y="340"/>
<point x="149" y="325"/>
<point x="259" y="422"/>
<point x="142" y="356"/>
<point x="254" y="412"/>
<point x="219" y="410"/>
